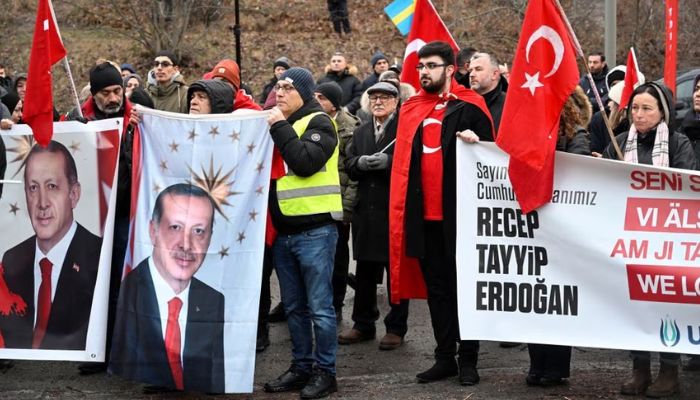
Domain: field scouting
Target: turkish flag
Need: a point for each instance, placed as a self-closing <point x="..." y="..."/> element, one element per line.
<point x="47" y="50"/>
<point x="543" y="76"/>
<point x="631" y="79"/>
<point x="425" y="28"/>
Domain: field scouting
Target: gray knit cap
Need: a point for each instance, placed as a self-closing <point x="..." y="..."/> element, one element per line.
<point x="302" y="80"/>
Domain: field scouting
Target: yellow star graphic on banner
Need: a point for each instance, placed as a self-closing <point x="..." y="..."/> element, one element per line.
<point x="241" y="237"/>
<point x="234" y="136"/>
<point x="252" y="215"/>
<point x="163" y="165"/>
<point x="216" y="184"/>
<point x="24" y="145"/>
<point x="251" y="147"/>
<point x="174" y="147"/>
<point x="214" y="131"/>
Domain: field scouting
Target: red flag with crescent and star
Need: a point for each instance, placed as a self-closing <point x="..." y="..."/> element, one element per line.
<point x="47" y="50"/>
<point x="543" y="76"/>
<point x="425" y="28"/>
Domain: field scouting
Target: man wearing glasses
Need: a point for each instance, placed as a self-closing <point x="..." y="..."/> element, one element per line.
<point x="304" y="205"/>
<point x="166" y="86"/>
<point x="422" y="210"/>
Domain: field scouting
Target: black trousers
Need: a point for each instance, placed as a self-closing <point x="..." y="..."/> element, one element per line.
<point x="440" y="274"/>
<point x="365" y="312"/>
<point x="549" y="361"/>
<point x="664" y="358"/>
<point x="264" y="306"/>
<point x="339" y="15"/>
<point x="341" y="265"/>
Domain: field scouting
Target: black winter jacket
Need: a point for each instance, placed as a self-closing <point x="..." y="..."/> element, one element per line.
<point x="352" y="88"/>
<point x="305" y="156"/>
<point x="691" y="128"/>
<point x="220" y="95"/>
<point x="680" y="152"/>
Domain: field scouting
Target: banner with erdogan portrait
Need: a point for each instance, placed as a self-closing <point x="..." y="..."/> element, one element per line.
<point x="187" y="312"/>
<point x="56" y="229"/>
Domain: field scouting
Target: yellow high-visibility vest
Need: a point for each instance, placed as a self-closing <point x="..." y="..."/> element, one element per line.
<point x="315" y="194"/>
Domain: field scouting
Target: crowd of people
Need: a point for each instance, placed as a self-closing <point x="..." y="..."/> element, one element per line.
<point x="355" y="142"/>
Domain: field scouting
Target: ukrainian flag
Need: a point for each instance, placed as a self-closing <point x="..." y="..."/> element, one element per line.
<point x="401" y="14"/>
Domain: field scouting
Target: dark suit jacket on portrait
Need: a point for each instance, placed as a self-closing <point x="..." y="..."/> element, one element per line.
<point x="70" y="309"/>
<point x="138" y="348"/>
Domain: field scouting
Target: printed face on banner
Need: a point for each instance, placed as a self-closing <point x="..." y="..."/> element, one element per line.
<point x="181" y="237"/>
<point x="198" y="235"/>
<point x="51" y="196"/>
<point x="51" y="215"/>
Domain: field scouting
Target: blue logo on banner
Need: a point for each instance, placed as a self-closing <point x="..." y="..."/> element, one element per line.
<point x="669" y="332"/>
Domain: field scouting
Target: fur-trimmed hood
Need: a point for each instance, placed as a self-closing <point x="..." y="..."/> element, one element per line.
<point x="349" y="70"/>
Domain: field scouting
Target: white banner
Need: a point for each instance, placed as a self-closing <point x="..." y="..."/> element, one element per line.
<point x="223" y="161"/>
<point x="43" y="215"/>
<point x="612" y="262"/>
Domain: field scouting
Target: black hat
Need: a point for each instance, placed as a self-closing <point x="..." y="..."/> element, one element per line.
<point x="377" y="57"/>
<point x="302" y="80"/>
<point x="170" y="55"/>
<point x="332" y="91"/>
<point x="281" y="62"/>
<point x="104" y="75"/>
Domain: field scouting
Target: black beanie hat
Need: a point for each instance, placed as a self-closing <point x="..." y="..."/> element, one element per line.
<point x="376" y="57"/>
<point x="104" y="75"/>
<point x="281" y="62"/>
<point x="170" y="55"/>
<point x="302" y="80"/>
<point x="10" y="100"/>
<point x="332" y="91"/>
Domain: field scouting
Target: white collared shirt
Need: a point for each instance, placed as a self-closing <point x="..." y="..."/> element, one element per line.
<point x="56" y="255"/>
<point x="164" y="293"/>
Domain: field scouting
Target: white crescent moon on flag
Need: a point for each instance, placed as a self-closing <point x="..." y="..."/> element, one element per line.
<point x="413" y="47"/>
<point x="554" y="39"/>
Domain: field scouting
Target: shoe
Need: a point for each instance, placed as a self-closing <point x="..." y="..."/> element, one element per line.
<point x="390" y="341"/>
<point x="91" y="368"/>
<point x="468" y="375"/>
<point x="320" y="385"/>
<point x="666" y="383"/>
<point x="439" y="371"/>
<point x="533" y="380"/>
<point x="292" y="379"/>
<point x="693" y="363"/>
<point x="277" y="314"/>
<point x="355" y="336"/>
<point x="508" y="345"/>
<point x="6" y="365"/>
<point x="641" y="378"/>
<point x="262" y="343"/>
<point x="352" y="281"/>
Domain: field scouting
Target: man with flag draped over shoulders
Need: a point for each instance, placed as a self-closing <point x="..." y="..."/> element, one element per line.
<point x="422" y="208"/>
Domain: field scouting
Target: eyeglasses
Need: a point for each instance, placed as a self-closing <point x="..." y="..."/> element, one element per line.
<point x="284" y="88"/>
<point x="430" y="66"/>
<point x="164" y="64"/>
<point x="383" y="98"/>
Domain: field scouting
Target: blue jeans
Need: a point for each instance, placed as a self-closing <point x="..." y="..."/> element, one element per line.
<point x="304" y="264"/>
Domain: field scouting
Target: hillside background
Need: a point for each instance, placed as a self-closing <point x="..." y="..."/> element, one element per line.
<point x="132" y="30"/>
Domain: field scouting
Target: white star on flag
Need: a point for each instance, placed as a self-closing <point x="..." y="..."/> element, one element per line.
<point x="532" y="82"/>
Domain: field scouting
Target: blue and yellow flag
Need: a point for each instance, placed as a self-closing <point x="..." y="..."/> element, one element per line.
<point x="401" y="14"/>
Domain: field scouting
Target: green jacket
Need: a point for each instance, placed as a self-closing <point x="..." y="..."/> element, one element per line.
<point x="348" y="188"/>
<point x="171" y="97"/>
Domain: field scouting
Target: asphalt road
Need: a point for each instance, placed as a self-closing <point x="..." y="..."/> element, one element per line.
<point x="364" y="372"/>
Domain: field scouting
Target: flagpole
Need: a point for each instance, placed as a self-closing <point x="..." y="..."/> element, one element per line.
<point x="573" y="37"/>
<point x="74" y="92"/>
